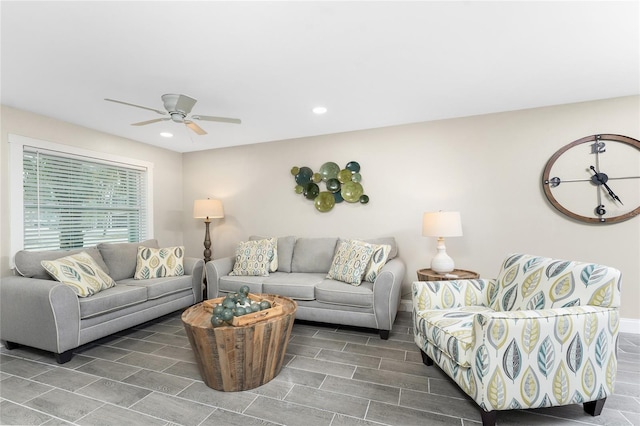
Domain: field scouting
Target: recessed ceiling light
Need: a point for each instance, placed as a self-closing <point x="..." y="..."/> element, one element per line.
<point x="166" y="135"/>
<point x="319" y="110"/>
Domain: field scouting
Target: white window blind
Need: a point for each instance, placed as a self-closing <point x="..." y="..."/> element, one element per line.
<point x="73" y="202"/>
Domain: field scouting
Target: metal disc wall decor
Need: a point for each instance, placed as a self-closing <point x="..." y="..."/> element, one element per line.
<point x="340" y="184"/>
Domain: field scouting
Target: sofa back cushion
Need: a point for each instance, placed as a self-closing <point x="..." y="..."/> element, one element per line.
<point x="121" y="258"/>
<point x="391" y="241"/>
<point x="532" y="282"/>
<point x="313" y="254"/>
<point x="28" y="262"/>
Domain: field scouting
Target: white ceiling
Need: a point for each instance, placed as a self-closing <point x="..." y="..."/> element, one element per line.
<point x="372" y="64"/>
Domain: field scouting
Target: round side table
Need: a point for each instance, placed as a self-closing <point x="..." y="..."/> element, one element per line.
<point x="431" y="275"/>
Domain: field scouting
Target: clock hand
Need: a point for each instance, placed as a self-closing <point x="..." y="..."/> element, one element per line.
<point x="603" y="182"/>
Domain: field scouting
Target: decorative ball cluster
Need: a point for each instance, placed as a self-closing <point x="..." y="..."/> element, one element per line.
<point x="236" y="305"/>
<point x="341" y="184"/>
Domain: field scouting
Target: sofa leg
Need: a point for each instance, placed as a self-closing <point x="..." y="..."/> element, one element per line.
<point x="384" y="334"/>
<point x="11" y="345"/>
<point x="594" y="407"/>
<point x="488" y="417"/>
<point x="425" y="358"/>
<point x="64" y="357"/>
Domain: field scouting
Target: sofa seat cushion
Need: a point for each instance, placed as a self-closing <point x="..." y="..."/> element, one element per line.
<point x="159" y="287"/>
<point x="111" y="299"/>
<point x="294" y="285"/>
<point x="451" y="330"/>
<point x="231" y="283"/>
<point x="339" y="293"/>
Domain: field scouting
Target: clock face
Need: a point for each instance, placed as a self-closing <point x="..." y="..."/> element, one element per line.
<point x="595" y="179"/>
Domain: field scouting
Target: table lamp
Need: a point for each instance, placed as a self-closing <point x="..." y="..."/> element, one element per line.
<point x="442" y="224"/>
<point x="207" y="209"/>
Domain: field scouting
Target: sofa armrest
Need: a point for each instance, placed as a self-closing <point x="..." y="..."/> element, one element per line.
<point x="195" y="267"/>
<point x="387" y="293"/>
<point x="44" y="314"/>
<point x="216" y="269"/>
<point x="550" y="351"/>
<point x="452" y="294"/>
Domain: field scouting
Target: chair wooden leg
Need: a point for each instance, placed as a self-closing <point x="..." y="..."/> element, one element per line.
<point x="425" y="358"/>
<point x="594" y="407"/>
<point x="488" y="417"/>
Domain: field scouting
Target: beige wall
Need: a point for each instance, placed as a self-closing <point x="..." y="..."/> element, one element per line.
<point x="167" y="170"/>
<point x="488" y="167"/>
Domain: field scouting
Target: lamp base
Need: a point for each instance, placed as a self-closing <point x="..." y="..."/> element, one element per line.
<point x="442" y="263"/>
<point x="207" y="242"/>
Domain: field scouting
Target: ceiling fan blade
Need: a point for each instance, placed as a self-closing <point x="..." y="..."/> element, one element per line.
<point x="220" y="119"/>
<point x="137" y="106"/>
<point x="185" y="103"/>
<point x="193" y="126"/>
<point x="155" y="120"/>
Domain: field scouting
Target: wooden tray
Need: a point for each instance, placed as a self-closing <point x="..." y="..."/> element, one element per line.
<point x="252" y="318"/>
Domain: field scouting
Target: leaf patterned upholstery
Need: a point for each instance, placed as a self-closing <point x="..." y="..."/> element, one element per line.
<point x="543" y="333"/>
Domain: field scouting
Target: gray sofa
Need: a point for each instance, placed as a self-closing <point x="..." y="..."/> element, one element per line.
<point x="303" y="264"/>
<point x="42" y="313"/>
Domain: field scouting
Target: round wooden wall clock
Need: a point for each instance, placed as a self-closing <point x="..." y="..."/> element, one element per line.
<point x="595" y="179"/>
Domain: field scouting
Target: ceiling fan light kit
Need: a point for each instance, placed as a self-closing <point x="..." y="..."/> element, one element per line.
<point x="178" y="107"/>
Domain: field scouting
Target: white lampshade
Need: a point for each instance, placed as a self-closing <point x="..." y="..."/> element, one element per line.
<point x="207" y="209"/>
<point x="441" y="224"/>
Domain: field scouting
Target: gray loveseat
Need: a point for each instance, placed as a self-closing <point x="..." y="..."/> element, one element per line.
<point x="42" y="313"/>
<point x="303" y="264"/>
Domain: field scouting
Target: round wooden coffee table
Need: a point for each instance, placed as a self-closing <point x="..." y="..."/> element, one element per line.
<point x="239" y="358"/>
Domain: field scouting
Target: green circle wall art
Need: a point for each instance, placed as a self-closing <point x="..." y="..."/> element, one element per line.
<point x="341" y="184"/>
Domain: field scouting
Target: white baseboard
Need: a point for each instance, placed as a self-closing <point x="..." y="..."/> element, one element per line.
<point x="630" y="325"/>
<point x="627" y="325"/>
<point x="406" y="305"/>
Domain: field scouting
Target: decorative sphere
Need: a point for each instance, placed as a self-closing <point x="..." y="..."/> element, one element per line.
<point x="299" y="189"/>
<point x="344" y="175"/>
<point x="217" y="321"/>
<point x="304" y="175"/>
<point x="329" y="171"/>
<point x="364" y="199"/>
<point x="354" y="166"/>
<point x="333" y="185"/>
<point x="316" y="177"/>
<point x="338" y="197"/>
<point x="356" y="177"/>
<point x="351" y="191"/>
<point x="295" y="170"/>
<point x="324" y="201"/>
<point x="311" y="191"/>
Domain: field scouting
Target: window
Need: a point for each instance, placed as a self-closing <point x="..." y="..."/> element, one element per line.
<point x="72" y="198"/>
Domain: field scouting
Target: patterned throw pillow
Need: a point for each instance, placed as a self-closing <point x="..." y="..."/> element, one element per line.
<point x="350" y="261"/>
<point x="255" y="258"/>
<point x="378" y="259"/>
<point x="273" y="266"/>
<point x="80" y="272"/>
<point x="158" y="263"/>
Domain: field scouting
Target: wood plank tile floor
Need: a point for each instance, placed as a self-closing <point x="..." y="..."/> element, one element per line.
<point x="335" y="376"/>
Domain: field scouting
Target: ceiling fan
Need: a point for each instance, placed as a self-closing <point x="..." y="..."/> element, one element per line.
<point x="178" y="108"/>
